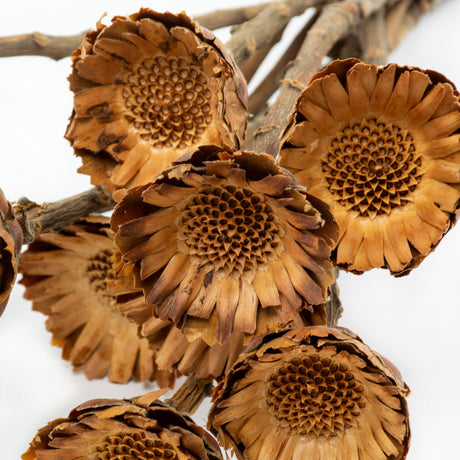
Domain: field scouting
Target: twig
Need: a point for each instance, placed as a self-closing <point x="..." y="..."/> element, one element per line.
<point x="383" y="31"/>
<point x="271" y="82"/>
<point x="260" y="30"/>
<point x="335" y="21"/>
<point x="190" y="395"/>
<point x="349" y="46"/>
<point x="251" y="65"/>
<point x="254" y="124"/>
<point x="58" y="47"/>
<point x="369" y="43"/>
<point x="38" y="44"/>
<point x="403" y="16"/>
<point x="374" y="39"/>
<point x="52" y="217"/>
<point x="398" y="22"/>
<point x="234" y="16"/>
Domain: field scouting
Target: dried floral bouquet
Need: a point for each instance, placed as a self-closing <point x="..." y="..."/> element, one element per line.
<point x="227" y="220"/>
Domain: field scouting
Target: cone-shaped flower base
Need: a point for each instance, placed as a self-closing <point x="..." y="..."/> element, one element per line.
<point x="66" y="276"/>
<point x="10" y="247"/>
<point x="226" y="243"/>
<point x="381" y="146"/>
<point x="110" y="429"/>
<point x="315" y="393"/>
<point x="149" y="88"/>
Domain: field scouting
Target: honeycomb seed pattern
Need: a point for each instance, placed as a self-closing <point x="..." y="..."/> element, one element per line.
<point x="230" y="229"/>
<point x="134" y="446"/>
<point x="372" y="167"/>
<point x="99" y="272"/>
<point x="315" y="397"/>
<point x="168" y="102"/>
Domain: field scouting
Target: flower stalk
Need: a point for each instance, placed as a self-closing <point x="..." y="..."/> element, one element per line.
<point x="51" y="217"/>
<point x="190" y="394"/>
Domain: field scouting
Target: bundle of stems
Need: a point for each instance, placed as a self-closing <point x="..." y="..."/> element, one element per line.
<point x="331" y="29"/>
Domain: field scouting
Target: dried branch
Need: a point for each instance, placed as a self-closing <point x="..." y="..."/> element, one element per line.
<point x="398" y="22"/>
<point x="383" y="31"/>
<point x="271" y="82"/>
<point x="256" y="33"/>
<point x="336" y="20"/>
<point x="251" y="65"/>
<point x="254" y="124"/>
<point x="58" y="47"/>
<point x="349" y="46"/>
<point x="374" y="39"/>
<point x="52" y="217"/>
<point x="190" y="395"/>
<point x="369" y="43"/>
<point x="229" y="17"/>
<point x="403" y="16"/>
<point x="38" y="44"/>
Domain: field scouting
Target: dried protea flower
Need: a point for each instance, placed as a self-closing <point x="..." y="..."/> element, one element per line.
<point x="66" y="276"/>
<point x="226" y="242"/>
<point x="381" y="146"/>
<point x="149" y="88"/>
<point x="313" y="393"/>
<point x="10" y="246"/>
<point x="112" y="429"/>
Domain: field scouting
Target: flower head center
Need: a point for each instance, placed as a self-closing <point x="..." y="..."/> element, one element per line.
<point x="372" y="167"/>
<point x="315" y="397"/>
<point x="168" y="102"/>
<point x="232" y="230"/>
<point x="98" y="272"/>
<point x="134" y="445"/>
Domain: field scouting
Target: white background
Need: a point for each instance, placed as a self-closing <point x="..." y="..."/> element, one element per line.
<point x="413" y="321"/>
